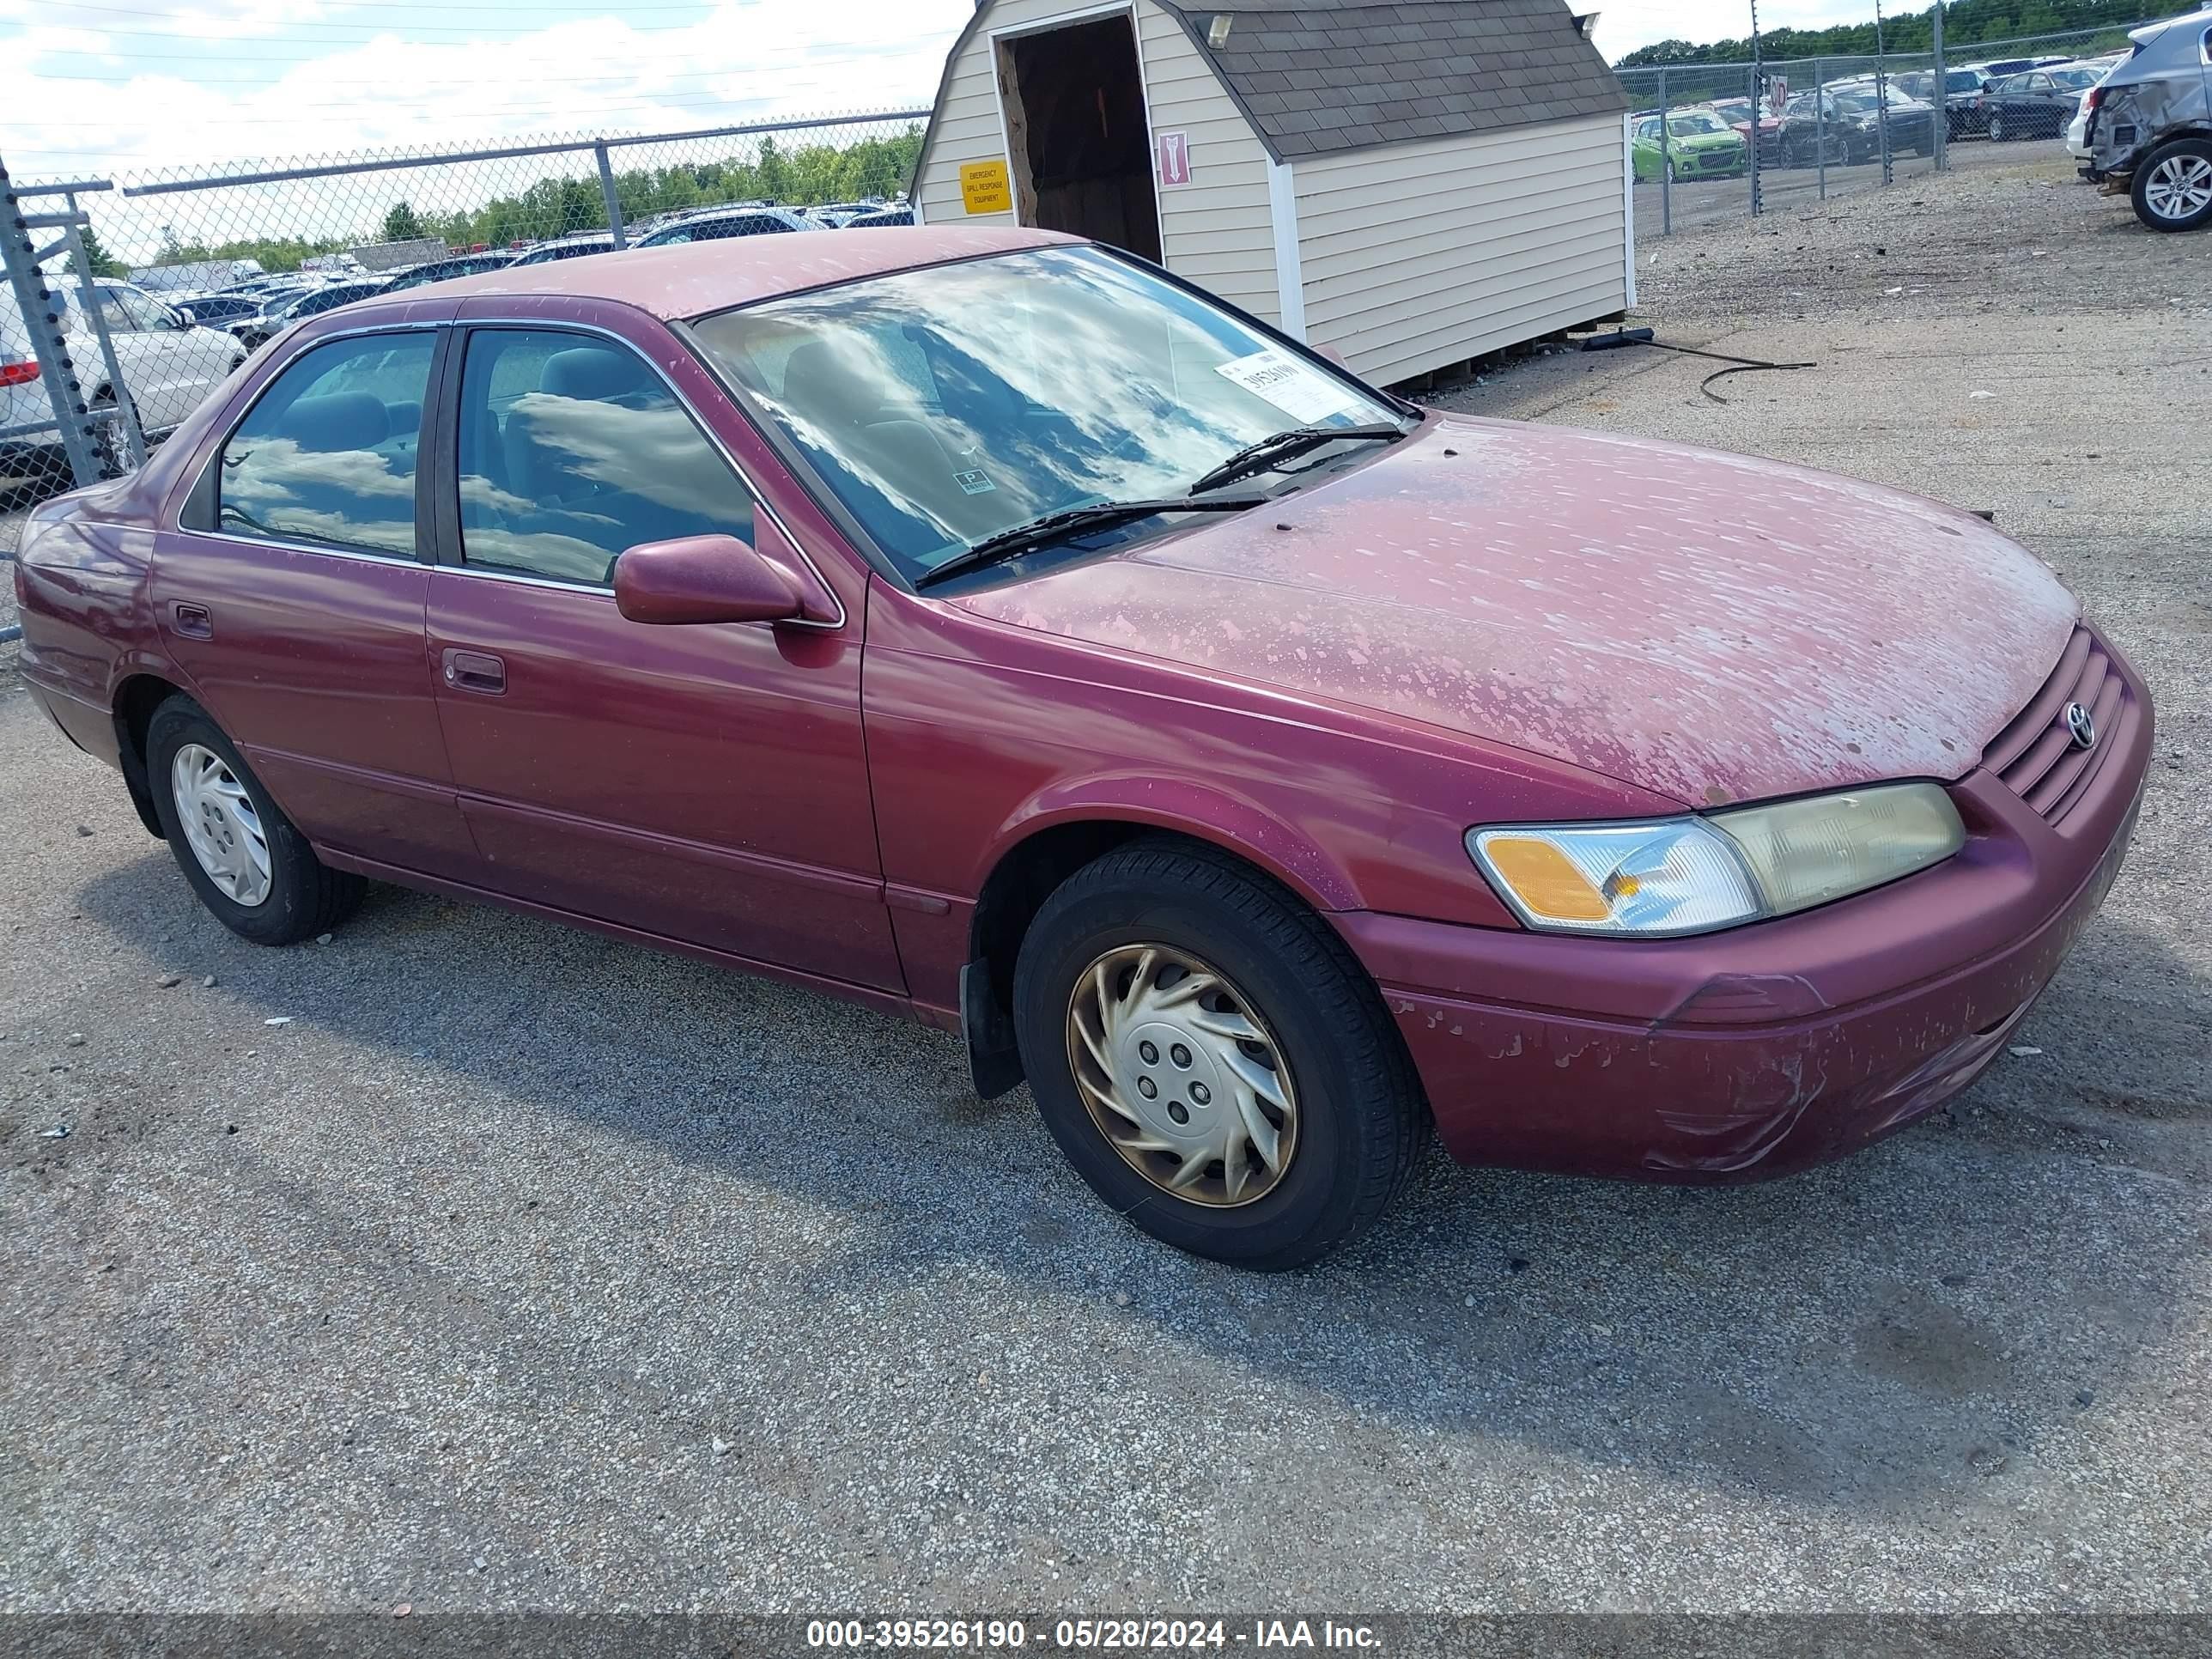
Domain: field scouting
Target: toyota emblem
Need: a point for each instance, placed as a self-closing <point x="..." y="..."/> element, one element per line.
<point x="2081" y="725"/>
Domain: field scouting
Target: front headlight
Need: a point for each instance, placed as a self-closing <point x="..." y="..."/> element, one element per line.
<point x="1693" y="875"/>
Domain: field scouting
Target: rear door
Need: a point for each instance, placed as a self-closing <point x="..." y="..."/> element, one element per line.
<point x="702" y="783"/>
<point x="291" y="595"/>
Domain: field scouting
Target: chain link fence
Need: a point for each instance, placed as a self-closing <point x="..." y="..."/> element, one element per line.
<point x="128" y="299"/>
<point x="1828" y="126"/>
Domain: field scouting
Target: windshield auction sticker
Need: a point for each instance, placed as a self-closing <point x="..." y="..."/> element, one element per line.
<point x="1288" y="384"/>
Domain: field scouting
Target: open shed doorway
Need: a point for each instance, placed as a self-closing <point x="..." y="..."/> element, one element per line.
<point x="1081" y="151"/>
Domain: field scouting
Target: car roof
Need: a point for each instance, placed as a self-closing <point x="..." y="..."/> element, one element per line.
<point x="691" y="279"/>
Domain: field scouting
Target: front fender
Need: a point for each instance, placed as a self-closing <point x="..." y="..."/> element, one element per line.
<point x="1203" y="811"/>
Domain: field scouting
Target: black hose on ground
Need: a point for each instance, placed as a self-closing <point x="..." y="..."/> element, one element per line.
<point x="1629" y="336"/>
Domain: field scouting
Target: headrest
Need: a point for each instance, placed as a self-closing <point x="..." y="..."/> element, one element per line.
<point x="593" y="374"/>
<point x="337" y="421"/>
<point x="830" y="386"/>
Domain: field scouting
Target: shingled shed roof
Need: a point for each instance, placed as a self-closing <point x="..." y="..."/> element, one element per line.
<point x="1319" y="76"/>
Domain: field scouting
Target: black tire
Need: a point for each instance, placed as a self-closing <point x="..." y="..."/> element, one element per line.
<point x="1996" y="129"/>
<point x="2181" y="151"/>
<point x="1362" y="1121"/>
<point x="306" y="896"/>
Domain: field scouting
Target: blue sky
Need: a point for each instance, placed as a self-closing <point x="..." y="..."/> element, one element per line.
<point x="132" y="84"/>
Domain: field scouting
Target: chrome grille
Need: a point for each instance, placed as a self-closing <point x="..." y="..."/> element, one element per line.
<point x="2036" y="756"/>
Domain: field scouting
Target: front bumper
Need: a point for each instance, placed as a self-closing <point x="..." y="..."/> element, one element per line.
<point x="1759" y="1051"/>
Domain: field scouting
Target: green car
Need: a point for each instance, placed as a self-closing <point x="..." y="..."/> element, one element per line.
<point x="1699" y="145"/>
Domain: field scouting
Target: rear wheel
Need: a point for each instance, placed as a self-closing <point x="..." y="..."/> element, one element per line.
<point x="2173" y="188"/>
<point x="1212" y="1059"/>
<point x="110" y="445"/>
<point x="243" y="857"/>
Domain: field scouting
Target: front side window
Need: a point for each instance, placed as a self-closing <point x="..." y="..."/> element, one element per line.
<point x="572" y="449"/>
<point x="326" y="456"/>
<point x="944" y="405"/>
<point x="126" y="311"/>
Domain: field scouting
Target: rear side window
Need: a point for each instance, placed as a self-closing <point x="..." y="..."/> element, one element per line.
<point x="326" y="456"/>
<point x="572" y="449"/>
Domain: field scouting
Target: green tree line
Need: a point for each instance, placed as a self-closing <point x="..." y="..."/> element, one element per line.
<point x="558" y="203"/>
<point x="1965" y="22"/>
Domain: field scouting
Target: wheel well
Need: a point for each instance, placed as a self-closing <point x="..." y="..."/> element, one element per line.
<point x="1016" y="889"/>
<point x="135" y="700"/>
<point x="1023" y="880"/>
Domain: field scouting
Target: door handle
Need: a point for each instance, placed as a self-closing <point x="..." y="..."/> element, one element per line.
<point x="476" y="671"/>
<point x="192" y="620"/>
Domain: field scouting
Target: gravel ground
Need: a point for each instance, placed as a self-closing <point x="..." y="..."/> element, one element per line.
<point x="522" y="1269"/>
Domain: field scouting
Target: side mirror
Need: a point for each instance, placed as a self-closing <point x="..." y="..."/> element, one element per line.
<point x="184" y="317"/>
<point x="702" y="579"/>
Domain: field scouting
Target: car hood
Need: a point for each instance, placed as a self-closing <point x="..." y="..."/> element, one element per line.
<point x="1730" y="140"/>
<point x="1711" y="627"/>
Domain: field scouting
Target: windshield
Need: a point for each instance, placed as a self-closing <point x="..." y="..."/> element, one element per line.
<point x="1698" y="121"/>
<point x="946" y="404"/>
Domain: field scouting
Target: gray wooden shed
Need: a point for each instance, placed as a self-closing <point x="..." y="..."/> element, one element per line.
<point x="1411" y="183"/>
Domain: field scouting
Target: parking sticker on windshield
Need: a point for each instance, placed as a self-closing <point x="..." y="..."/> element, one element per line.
<point x="977" y="483"/>
<point x="1298" y="391"/>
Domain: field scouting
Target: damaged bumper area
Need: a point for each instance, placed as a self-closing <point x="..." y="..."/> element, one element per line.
<point x="1759" y="1051"/>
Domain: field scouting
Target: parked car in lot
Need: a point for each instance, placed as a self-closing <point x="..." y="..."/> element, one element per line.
<point x="264" y="326"/>
<point x="2035" y="103"/>
<point x="567" y="247"/>
<point x="1246" y="757"/>
<point x="439" y="270"/>
<point x="1962" y="93"/>
<point x="168" y="366"/>
<point x="718" y="224"/>
<point x="1851" y="120"/>
<point x="2147" y="128"/>
<point x="221" y="310"/>
<point x="881" y="219"/>
<point x="1736" y="112"/>
<point x="1697" y="144"/>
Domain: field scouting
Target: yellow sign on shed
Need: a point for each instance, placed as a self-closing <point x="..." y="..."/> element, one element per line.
<point x="984" y="187"/>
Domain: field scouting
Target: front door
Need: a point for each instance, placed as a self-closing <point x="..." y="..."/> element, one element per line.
<point x="293" y="598"/>
<point x="167" y="365"/>
<point x="703" y="783"/>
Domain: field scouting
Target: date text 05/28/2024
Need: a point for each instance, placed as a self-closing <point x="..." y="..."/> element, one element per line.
<point x="1089" y="1635"/>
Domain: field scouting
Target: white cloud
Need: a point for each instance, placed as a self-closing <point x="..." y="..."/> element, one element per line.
<point x="584" y="74"/>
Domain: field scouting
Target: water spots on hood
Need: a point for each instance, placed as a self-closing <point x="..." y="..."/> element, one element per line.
<point x="1714" y="627"/>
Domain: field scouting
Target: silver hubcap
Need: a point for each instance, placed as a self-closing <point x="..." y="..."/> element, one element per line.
<point x="2179" y="185"/>
<point x="1181" y="1075"/>
<point x="219" y="824"/>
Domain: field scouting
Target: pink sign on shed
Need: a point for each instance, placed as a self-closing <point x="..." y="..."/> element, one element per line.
<point x="1173" y="159"/>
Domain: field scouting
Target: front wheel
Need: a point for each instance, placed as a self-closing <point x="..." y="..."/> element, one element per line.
<point x="2173" y="188"/>
<point x="1212" y="1059"/>
<point x="249" y="866"/>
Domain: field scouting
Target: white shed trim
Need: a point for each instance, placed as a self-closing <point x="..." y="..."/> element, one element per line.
<point x="1290" y="273"/>
<point x="1628" y="199"/>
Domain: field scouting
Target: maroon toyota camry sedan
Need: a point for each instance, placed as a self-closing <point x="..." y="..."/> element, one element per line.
<point x="985" y="626"/>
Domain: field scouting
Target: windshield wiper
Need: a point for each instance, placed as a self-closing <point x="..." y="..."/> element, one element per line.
<point x="1282" y="446"/>
<point x="1098" y="515"/>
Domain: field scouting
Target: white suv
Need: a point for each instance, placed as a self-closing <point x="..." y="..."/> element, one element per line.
<point x="168" y="366"/>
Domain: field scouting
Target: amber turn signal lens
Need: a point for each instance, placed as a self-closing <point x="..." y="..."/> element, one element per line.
<point x="1545" y="879"/>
